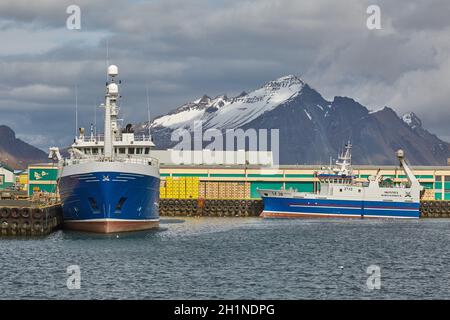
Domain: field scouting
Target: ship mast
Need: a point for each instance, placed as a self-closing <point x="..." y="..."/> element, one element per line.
<point x="111" y="111"/>
<point x="345" y="160"/>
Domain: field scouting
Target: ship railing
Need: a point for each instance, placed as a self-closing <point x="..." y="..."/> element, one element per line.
<point x="101" y="138"/>
<point x="135" y="138"/>
<point x="143" y="138"/>
<point x="96" y="138"/>
<point x="137" y="160"/>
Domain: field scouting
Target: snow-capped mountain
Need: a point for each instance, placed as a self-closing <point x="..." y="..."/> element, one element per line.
<point x="223" y="113"/>
<point x="311" y="128"/>
<point x="412" y="120"/>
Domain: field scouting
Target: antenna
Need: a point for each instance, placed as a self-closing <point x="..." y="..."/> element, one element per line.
<point x="107" y="57"/>
<point x="95" y="120"/>
<point x="148" y="112"/>
<point x="76" y="110"/>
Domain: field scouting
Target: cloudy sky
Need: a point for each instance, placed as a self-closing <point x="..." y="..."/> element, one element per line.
<point x="182" y="49"/>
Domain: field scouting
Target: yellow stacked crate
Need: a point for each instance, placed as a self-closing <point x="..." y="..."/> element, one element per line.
<point x="176" y="187"/>
<point x="162" y="193"/>
<point x="171" y="190"/>
<point x="192" y="188"/>
<point x="162" y="189"/>
<point x="182" y="188"/>
<point x="175" y="192"/>
<point x="195" y="188"/>
<point x="202" y="189"/>
<point x="188" y="187"/>
<point x="167" y="184"/>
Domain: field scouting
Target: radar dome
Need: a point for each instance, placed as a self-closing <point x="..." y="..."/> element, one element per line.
<point x="113" y="89"/>
<point x="113" y="70"/>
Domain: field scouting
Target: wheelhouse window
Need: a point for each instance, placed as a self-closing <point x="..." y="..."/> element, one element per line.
<point x="121" y="150"/>
<point x="138" y="150"/>
<point x="147" y="150"/>
<point x="130" y="150"/>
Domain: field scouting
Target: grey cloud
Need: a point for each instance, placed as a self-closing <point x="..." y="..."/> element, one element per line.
<point x="417" y="15"/>
<point x="183" y="49"/>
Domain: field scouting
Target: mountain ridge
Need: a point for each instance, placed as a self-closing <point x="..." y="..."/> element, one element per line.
<point x="311" y="128"/>
<point x="17" y="153"/>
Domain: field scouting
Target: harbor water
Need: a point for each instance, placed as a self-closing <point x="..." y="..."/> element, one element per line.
<point x="236" y="258"/>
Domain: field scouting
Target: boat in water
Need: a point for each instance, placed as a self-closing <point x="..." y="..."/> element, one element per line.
<point x="341" y="195"/>
<point x="109" y="183"/>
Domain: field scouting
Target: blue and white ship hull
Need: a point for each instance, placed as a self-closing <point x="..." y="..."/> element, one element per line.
<point x="109" y="197"/>
<point x="287" y="207"/>
<point x="340" y="195"/>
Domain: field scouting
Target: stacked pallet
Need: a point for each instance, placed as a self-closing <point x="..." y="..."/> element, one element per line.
<point x="162" y="190"/>
<point x="427" y="195"/>
<point x="224" y="190"/>
<point x="211" y="190"/>
<point x="179" y="188"/>
<point x="192" y="188"/>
